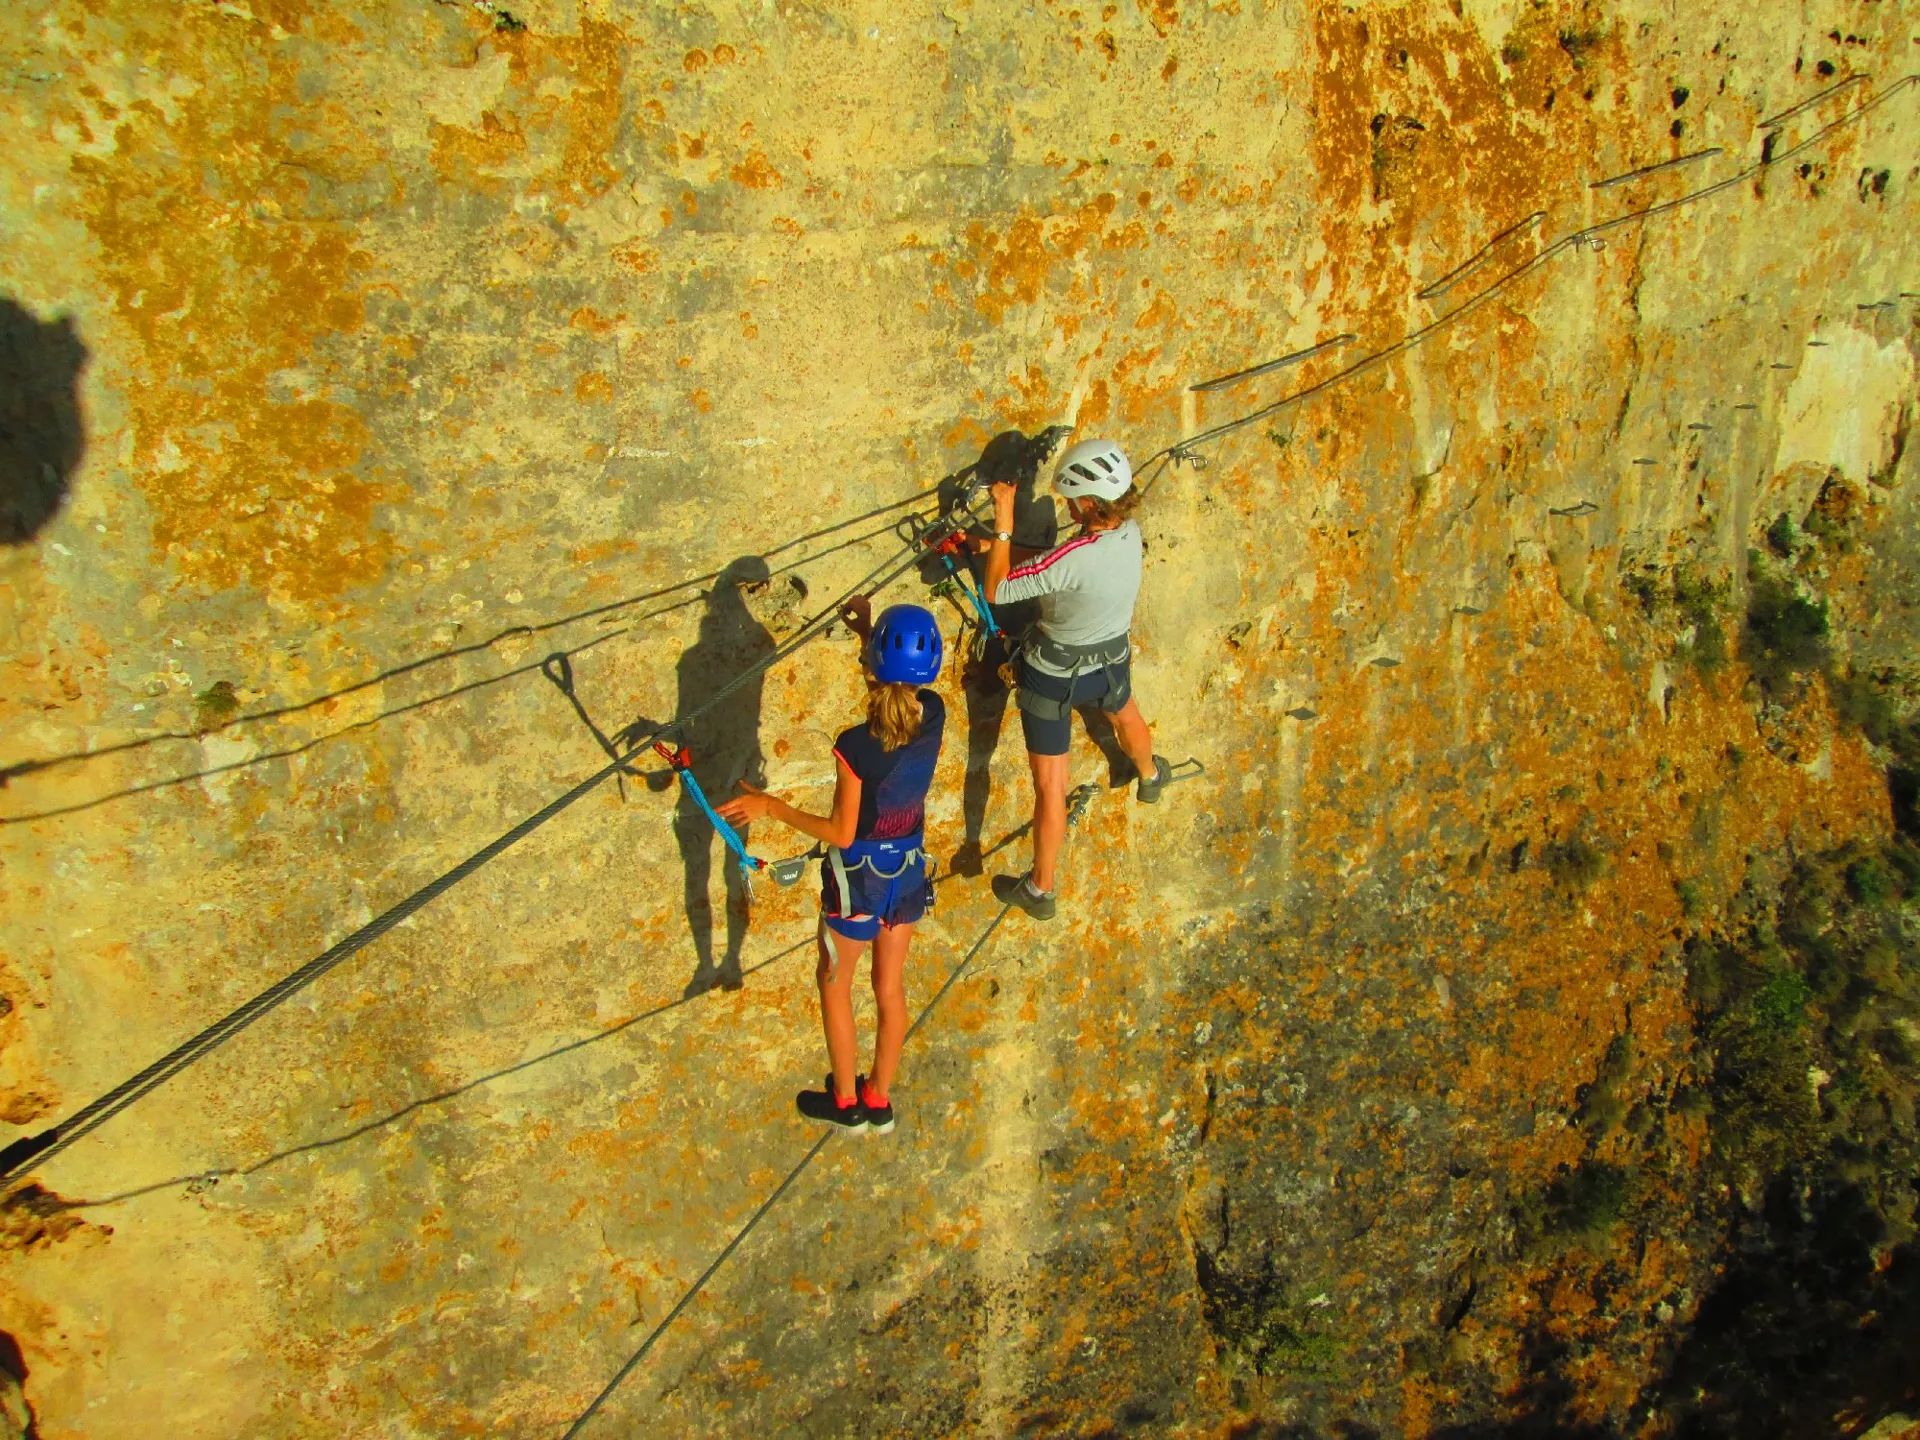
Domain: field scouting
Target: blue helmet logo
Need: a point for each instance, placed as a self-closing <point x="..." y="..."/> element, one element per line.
<point x="905" y="648"/>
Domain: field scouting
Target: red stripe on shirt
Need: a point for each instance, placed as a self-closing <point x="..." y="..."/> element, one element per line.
<point x="1034" y="567"/>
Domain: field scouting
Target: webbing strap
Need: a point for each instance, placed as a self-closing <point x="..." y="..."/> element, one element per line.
<point x="1116" y="651"/>
<point x="1109" y="656"/>
<point x="948" y="549"/>
<point x="980" y="606"/>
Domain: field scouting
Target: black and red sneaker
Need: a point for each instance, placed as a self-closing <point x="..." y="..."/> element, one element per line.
<point x="879" y="1117"/>
<point x="824" y="1105"/>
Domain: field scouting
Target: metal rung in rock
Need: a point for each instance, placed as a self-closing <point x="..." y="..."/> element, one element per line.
<point x="1187" y="769"/>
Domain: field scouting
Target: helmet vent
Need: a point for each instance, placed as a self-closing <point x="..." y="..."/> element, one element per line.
<point x="1095" y="468"/>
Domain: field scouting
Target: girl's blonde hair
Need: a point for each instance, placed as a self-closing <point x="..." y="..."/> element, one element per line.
<point x="893" y="714"/>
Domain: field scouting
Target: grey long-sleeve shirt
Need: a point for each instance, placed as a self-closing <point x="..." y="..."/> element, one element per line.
<point x="1086" y="588"/>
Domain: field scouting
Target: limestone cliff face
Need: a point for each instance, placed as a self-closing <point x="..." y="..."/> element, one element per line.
<point x="361" y="357"/>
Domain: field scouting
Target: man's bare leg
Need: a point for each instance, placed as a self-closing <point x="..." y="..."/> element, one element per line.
<point x="1130" y="729"/>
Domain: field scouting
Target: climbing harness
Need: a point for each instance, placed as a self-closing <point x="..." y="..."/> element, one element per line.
<point x="1109" y="655"/>
<point x="869" y="856"/>
<point x="783" y="872"/>
<point x="873" y="856"/>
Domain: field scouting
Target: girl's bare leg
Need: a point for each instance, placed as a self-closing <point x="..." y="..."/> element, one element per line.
<point x="890" y="999"/>
<point x="838" y="958"/>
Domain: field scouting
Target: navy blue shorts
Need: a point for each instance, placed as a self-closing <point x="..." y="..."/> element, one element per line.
<point x="1090" y="687"/>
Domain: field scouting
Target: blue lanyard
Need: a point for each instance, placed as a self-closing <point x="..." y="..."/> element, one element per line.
<point x="680" y="761"/>
<point x="980" y="607"/>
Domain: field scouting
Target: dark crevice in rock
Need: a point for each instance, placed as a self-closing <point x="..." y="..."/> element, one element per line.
<point x="17" y="1421"/>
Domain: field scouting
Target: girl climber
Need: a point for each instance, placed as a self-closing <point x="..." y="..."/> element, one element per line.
<point x="875" y="883"/>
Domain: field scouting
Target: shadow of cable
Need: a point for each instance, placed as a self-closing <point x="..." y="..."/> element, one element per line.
<point x="206" y="1178"/>
<point x="27" y="767"/>
<point x="288" y="751"/>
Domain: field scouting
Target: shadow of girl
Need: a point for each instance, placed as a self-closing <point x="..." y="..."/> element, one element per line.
<point x="725" y="742"/>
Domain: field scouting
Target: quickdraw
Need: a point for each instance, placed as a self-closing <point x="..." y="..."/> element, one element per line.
<point x="946" y="537"/>
<point x="951" y="548"/>
<point x="784" y="872"/>
<point x="946" y="542"/>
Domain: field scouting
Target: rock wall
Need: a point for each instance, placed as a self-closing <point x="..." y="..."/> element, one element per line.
<point x="362" y="358"/>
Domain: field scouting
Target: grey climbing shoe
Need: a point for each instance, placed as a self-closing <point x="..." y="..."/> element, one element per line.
<point x="1014" y="890"/>
<point x="1149" y="788"/>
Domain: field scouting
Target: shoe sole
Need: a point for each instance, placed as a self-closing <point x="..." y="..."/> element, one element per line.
<point x="874" y="1128"/>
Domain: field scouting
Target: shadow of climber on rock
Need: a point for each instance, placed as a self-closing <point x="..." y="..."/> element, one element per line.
<point x="41" y="436"/>
<point x="1012" y="456"/>
<point x="725" y="741"/>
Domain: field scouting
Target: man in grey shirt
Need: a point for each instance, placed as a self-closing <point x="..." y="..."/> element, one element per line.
<point x="1078" y="653"/>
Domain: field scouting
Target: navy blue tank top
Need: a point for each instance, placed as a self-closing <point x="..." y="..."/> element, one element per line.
<point x="894" y="783"/>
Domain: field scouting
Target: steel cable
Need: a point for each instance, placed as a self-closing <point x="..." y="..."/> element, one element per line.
<point x="1083" y="796"/>
<point x="1150" y="471"/>
<point x="32" y="1150"/>
<point x="1587" y="236"/>
<point x="33" y="766"/>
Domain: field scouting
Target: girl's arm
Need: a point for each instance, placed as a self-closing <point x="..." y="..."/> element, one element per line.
<point x="857" y="616"/>
<point x="835" y="829"/>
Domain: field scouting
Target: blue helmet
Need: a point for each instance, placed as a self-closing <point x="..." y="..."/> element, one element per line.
<point x="905" y="648"/>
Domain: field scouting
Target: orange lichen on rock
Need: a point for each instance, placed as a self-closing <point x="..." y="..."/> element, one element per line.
<point x="756" y="172"/>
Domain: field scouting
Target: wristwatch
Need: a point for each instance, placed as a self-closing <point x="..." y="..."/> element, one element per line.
<point x="1006" y="535"/>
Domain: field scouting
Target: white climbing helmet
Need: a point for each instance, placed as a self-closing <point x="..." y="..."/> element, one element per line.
<point x="1093" y="467"/>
